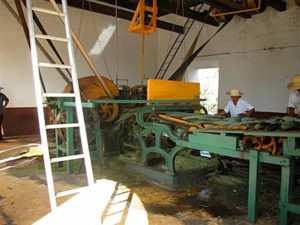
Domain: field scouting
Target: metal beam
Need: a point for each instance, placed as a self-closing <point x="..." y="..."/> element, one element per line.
<point x="276" y="4"/>
<point x="129" y="5"/>
<point x="111" y="11"/>
<point x="185" y="11"/>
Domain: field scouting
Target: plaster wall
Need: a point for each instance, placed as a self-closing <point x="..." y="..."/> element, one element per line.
<point x="119" y="49"/>
<point x="258" y="55"/>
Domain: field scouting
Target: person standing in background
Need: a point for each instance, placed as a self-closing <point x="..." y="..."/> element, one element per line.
<point x="237" y="106"/>
<point x="293" y="108"/>
<point x="3" y="103"/>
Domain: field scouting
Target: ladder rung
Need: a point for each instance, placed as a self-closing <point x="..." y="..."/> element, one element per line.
<point x="54" y="38"/>
<point x="57" y="126"/>
<point x="37" y="9"/>
<point x="59" y="95"/>
<point x="67" y="158"/>
<point x="50" y="65"/>
<point x="70" y="192"/>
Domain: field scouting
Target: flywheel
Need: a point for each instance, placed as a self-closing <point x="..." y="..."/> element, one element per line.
<point x="92" y="89"/>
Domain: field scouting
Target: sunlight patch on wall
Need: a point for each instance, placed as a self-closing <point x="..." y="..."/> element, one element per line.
<point x="103" y="39"/>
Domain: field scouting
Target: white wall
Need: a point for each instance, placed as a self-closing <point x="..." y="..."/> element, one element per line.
<point x="15" y="62"/>
<point x="259" y="55"/>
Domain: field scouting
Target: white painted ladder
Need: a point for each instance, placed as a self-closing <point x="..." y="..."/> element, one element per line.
<point x="40" y="96"/>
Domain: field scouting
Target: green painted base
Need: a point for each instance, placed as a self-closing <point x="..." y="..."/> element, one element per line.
<point x="164" y="179"/>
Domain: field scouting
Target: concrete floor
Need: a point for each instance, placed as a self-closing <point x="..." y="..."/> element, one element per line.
<point x="122" y="197"/>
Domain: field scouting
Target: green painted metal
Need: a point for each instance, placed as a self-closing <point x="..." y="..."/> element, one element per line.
<point x="228" y="142"/>
<point x="217" y="141"/>
<point x="239" y="154"/>
<point x="291" y="134"/>
<point x="253" y="180"/>
<point x="58" y="143"/>
<point x="84" y="104"/>
<point x="284" y="194"/>
<point x="159" y="130"/>
<point x="68" y="148"/>
<point x="98" y="152"/>
<point x="70" y="139"/>
<point x="293" y="208"/>
<point x="119" y="101"/>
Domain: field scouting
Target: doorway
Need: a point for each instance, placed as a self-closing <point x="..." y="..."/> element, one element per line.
<point x="209" y="86"/>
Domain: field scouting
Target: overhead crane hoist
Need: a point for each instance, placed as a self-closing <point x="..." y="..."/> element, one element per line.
<point x="139" y="25"/>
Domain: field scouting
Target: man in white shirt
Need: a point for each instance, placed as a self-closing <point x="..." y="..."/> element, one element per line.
<point x="237" y="106"/>
<point x="294" y="97"/>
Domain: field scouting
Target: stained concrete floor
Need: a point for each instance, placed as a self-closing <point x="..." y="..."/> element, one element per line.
<point x="219" y="199"/>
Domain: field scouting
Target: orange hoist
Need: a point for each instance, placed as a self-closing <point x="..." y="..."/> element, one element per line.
<point x="139" y="24"/>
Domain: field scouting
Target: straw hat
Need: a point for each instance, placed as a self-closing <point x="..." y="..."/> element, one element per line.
<point x="234" y="92"/>
<point x="295" y="85"/>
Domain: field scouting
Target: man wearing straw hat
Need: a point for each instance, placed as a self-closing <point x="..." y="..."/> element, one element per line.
<point x="3" y="103"/>
<point x="294" y="97"/>
<point x="237" y="106"/>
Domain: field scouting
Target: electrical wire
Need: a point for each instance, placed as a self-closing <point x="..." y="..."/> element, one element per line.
<point x="116" y="42"/>
<point x="80" y="25"/>
<point x="173" y="27"/>
<point x="98" y="41"/>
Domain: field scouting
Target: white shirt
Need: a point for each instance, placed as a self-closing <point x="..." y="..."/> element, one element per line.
<point x="294" y="101"/>
<point x="241" y="107"/>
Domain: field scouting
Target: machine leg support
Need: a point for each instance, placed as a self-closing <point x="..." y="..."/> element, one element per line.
<point x="285" y="193"/>
<point x="283" y="216"/>
<point x="253" y="181"/>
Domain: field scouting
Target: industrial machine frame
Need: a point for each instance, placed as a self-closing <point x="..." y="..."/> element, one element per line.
<point x="217" y="141"/>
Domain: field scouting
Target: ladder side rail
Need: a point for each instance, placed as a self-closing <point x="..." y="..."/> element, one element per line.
<point x="80" y="117"/>
<point x="187" y="26"/>
<point x="40" y="109"/>
<point x="175" y="53"/>
<point x="163" y="72"/>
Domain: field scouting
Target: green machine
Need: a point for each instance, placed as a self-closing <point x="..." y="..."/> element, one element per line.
<point x="198" y="132"/>
<point x="227" y="142"/>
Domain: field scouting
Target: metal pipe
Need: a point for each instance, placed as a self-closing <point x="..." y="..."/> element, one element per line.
<point x="238" y="11"/>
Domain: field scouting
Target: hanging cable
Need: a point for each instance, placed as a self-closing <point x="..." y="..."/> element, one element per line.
<point x="184" y="46"/>
<point x="116" y="42"/>
<point x="98" y="41"/>
<point x="80" y="25"/>
<point x="173" y="27"/>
